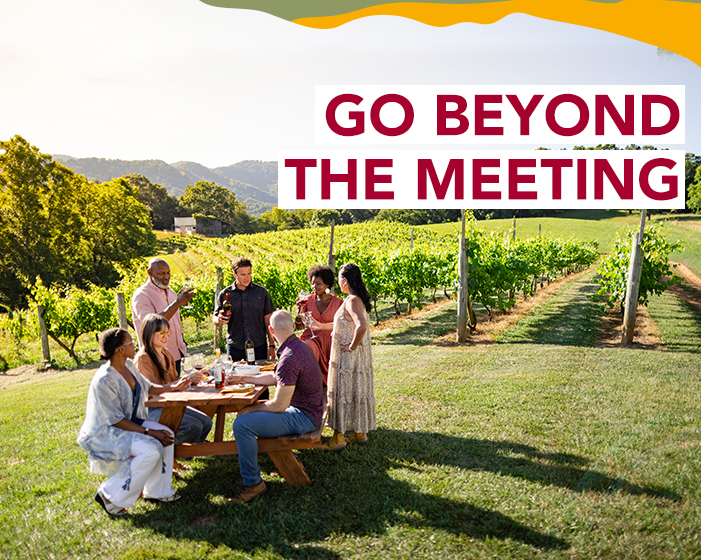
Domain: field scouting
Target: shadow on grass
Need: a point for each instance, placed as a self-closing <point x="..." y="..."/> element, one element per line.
<point x="376" y="490"/>
<point x="571" y="318"/>
<point x="422" y="331"/>
<point x="679" y="321"/>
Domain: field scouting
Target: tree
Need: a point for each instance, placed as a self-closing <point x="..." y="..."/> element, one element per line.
<point x="118" y="226"/>
<point x="212" y="200"/>
<point x="59" y="227"/>
<point x="279" y="219"/>
<point x="693" y="194"/>
<point x="162" y="206"/>
<point x="322" y="218"/>
<point x="42" y="231"/>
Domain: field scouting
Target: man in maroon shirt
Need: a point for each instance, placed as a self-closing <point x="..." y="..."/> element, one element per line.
<point x="296" y="408"/>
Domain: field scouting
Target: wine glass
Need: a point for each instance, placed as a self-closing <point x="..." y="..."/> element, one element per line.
<point x="198" y="361"/>
<point x="187" y="286"/>
<point x="187" y="367"/>
<point x="308" y="320"/>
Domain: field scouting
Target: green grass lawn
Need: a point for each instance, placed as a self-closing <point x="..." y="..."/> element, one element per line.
<point x="538" y="446"/>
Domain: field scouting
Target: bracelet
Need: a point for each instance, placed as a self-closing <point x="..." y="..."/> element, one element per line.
<point x="145" y="431"/>
<point x="271" y="346"/>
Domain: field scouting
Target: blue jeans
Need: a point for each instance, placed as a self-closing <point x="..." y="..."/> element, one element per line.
<point x="267" y="425"/>
<point x="194" y="426"/>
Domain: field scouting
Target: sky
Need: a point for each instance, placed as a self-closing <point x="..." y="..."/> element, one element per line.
<point x="179" y="80"/>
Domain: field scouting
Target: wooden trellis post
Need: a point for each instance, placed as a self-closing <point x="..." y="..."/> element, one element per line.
<point x="44" y="334"/>
<point x="462" y="286"/>
<point x="218" y="336"/>
<point x="122" y="311"/>
<point x="633" y="284"/>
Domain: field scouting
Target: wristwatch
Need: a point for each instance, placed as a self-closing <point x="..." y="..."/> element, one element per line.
<point x="145" y="431"/>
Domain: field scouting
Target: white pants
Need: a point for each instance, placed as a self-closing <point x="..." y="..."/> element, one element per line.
<point x="148" y="473"/>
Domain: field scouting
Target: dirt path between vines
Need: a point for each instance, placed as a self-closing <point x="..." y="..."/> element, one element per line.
<point x="647" y="335"/>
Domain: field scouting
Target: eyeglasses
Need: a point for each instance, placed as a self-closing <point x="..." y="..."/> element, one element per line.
<point x="164" y="334"/>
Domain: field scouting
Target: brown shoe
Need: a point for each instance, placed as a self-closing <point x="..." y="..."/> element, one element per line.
<point x="247" y="493"/>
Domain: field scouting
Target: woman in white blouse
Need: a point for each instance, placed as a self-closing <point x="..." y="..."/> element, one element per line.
<point x="135" y="453"/>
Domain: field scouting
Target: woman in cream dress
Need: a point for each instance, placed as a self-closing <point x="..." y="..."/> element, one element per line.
<point x="351" y="392"/>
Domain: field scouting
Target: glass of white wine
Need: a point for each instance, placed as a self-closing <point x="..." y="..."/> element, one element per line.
<point x="187" y="286"/>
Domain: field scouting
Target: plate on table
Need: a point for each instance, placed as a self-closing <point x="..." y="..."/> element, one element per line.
<point x="241" y="388"/>
<point x="266" y="365"/>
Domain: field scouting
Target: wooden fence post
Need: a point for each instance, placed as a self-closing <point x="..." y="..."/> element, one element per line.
<point x="218" y="288"/>
<point x="122" y="311"/>
<point x="332" y="258"/>
<point x="45" y="352"/>
<point x="633" y="284"/>
<point x="462" y="286"/>
<point x="514" y="230"/>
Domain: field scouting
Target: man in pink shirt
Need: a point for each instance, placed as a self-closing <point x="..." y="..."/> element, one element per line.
<point x="156" y="296"/>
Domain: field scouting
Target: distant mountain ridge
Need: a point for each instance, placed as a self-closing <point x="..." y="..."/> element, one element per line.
<point x="253" y="182"/>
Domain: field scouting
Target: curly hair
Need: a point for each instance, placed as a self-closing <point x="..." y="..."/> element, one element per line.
<point x="323" y="272"/>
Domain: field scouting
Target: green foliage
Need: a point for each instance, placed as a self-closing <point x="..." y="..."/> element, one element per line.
<point x="657" y="272"/>
<point x="161" y="206"/>
<point x="693" y="193"/>
<point x="209" y="199"/>
<point x="59" y="227"/>
<point x="70" y="312"/>
<point x="119" y="227"/>
<point x="42" y="231"/>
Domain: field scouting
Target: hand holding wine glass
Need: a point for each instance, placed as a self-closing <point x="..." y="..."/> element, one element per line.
<point x="302" y="298"/>
<point x="186" y="294"/>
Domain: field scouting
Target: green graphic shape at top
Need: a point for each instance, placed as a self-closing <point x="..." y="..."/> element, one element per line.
<point x="291" y="10"/>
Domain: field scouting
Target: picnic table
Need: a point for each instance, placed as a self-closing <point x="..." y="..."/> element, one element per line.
<point x="212" y="402"/>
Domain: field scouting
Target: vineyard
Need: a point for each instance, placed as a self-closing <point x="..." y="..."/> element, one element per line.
<point x="400" y="264"/>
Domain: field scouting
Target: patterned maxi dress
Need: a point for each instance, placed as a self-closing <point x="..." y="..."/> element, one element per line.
<point x="351" y="390"/>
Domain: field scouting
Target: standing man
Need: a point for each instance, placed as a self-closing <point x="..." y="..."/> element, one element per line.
<point x="251" y="307"/>
<point x="156" y="296"/>
<point x="296" y="408"/>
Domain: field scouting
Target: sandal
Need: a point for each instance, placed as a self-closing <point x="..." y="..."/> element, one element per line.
<point x="168" y="499"/>
<point x="108" y="506"/>
<point x="357" y="437"/>
<point x="336" y="441"/>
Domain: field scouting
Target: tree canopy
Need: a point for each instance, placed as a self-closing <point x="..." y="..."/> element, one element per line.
<point x="209" y="199"/>
<point x="58" y="226"/>
<point x="162" y="207"/>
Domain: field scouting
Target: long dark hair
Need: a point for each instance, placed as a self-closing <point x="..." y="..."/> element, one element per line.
<point x="351" y="272"/>
<point x="152" y="324"/>
<point x="110" y="341"/>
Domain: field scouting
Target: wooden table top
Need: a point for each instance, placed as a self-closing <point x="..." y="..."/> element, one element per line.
<point x="203" y="396"/>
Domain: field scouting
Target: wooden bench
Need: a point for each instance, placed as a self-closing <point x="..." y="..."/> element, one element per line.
<point x="280" y="450"/>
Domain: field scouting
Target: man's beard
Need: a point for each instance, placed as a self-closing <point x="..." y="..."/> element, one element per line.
<point x="159" y="284"/>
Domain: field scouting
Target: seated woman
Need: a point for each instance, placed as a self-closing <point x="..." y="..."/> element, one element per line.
<point x="135" y="453"/>
<point x="156" y="363"/>
<point x="323" y="306"/>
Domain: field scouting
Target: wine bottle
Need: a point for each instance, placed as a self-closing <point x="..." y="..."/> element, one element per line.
<point x="226" y="306"/>
<point x="250" y="349"/>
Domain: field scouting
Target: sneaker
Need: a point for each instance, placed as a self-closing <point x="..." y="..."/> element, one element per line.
<point x="247" y="493"/>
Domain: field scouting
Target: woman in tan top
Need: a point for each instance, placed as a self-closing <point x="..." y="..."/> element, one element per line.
<point x="156" y="363"/>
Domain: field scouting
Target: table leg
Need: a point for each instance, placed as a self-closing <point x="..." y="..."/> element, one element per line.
<point x="221" y="421"/>
<point x="290" y="468"/>
<point x="171" y="417"/>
